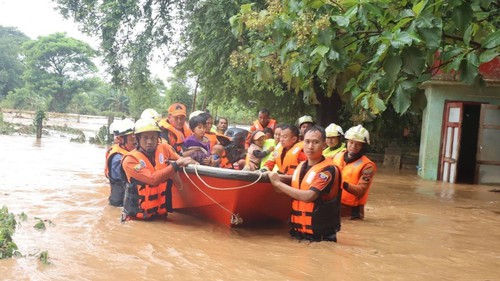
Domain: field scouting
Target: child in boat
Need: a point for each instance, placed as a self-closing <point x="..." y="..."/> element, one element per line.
<point x="197" y="144"/>
<point x="255" y="151"/>
<point x="236" y="152"/>
<point x="271" y="144"/>
<point x="217" y="155"/>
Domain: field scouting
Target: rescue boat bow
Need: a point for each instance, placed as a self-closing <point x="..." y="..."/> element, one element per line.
<point x="230" y="197"/>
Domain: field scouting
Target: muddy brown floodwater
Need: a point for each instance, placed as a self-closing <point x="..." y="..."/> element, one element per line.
<point x="414" y="230"/>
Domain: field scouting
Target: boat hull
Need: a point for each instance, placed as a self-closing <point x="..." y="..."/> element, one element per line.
<point x="229" y="197"/>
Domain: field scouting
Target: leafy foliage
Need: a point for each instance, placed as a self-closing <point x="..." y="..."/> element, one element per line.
<point x="373" y="52"/>
<point x="58" y="67"/>
<point x="349" y="60"/>
<point x="11" y="67"/>
<point x="7" y="227"/>
<point x="44" y="258"/>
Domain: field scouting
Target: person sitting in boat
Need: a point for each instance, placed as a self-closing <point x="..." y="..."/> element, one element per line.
<point x="334" y="141"/>
<point x="264" y="121"/>
<point x="173" y="128"/>
<point x="123" y="131"/>
<point x="222" y="124"/>
<point x="149" y="168"/>
<point x="218" y="155"/>
<point x="290" y="154"/>
<point x="268" y="132"/>
<point x="256" y="151"/>
<point x="197" y="145"/>
<point x="315" y="192"/>
<point x="273" y="142"/>
<point x="235" y="151"/>
<point x="211" y="136"/>
<point x="357" y="172"/>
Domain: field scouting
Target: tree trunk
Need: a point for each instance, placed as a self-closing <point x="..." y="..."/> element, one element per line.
<point x="39" y="128"/>
<point x="193" y="107"/>
<point x="328" y="110"/>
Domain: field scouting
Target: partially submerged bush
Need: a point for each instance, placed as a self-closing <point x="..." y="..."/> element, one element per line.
<point x="7" y="227"/>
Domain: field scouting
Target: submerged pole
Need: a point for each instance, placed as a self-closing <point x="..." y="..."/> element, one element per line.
<point x="38" y="122"/>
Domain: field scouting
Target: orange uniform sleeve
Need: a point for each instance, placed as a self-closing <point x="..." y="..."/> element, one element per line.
<point x="134" y="170"/>
<point x="367" y="174"/>
<point x="321" y="180"/>
<point x="173" y="155"/>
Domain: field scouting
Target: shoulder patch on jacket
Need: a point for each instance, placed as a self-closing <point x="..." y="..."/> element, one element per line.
<point x="141" y="165"/>
<point x="324" y="176"/>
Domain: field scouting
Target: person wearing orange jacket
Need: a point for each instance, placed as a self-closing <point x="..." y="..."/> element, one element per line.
<point x="288" y="156"/>
<point x="173" y="128"/>
<point x="264" y="121"/>
<point x="148" y="169"/>
<point x="315" y="192"/>
<point x="123" y="131"/>
<point x="357" y="172"/>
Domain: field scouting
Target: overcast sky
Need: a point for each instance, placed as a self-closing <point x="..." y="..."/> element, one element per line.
<point x="38" y="18"/>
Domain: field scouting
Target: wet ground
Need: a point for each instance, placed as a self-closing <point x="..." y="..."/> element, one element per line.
<point x="414" y="230"/>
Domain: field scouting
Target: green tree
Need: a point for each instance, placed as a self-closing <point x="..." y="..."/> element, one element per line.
<point x="372" y="54"/>
<point x="11" y="67"/>
<point x="109" y="100"/>
<point x="177" y="91"/>
<point x="207" y="47"/>
<point x="57" y="68"/>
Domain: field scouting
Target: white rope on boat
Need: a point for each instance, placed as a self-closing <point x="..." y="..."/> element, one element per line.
<point x="235" y="218"/>
<point x="224" y="188"/>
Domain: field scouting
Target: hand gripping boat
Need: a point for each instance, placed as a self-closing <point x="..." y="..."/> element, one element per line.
<point x="230" y="197"/>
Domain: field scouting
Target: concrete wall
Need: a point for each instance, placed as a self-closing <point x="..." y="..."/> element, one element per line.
<point x="437" y="92"/>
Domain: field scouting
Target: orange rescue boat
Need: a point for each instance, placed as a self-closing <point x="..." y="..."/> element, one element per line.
<point x="230" y="197"/>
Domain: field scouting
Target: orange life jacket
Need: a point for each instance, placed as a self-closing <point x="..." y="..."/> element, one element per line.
<point x="351" y="173"/>
<point x="142" y="200"/>
<point x="212" y="139"/>
<point x="118" y="186"/>
<point x="114" y="149"/>
<point x="172" y="135"/>
<point x="291" y="161"/>
<point x="322" y="216"/>
<point x="258" y="127"/>
<point x="224" y="161"/>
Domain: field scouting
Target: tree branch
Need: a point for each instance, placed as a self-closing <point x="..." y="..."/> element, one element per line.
<point x="474" y="43"/>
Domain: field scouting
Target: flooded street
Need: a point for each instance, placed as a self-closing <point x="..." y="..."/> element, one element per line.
<point x="414" y="230"/>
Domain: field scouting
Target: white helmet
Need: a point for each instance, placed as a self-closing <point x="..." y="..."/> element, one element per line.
<point x="150" y="113"/>
<point x="358" y="133"/>
<point x="305" y="119"/>
<point x="146" y="125"/>
<point x="113" y="126"/>
<point x="334" y="130"/>
<point x="123" y="127"/>
<point x="195" y="113"/>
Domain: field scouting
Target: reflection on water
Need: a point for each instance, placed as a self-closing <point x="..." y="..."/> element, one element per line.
<point x="414" y="230"/>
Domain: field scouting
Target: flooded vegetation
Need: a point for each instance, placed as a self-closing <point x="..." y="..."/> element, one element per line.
<point x="414" y="230"/>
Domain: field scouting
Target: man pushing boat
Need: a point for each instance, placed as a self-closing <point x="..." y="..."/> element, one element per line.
<point x="315" y="192"/>
<point x="148" y="169"/>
